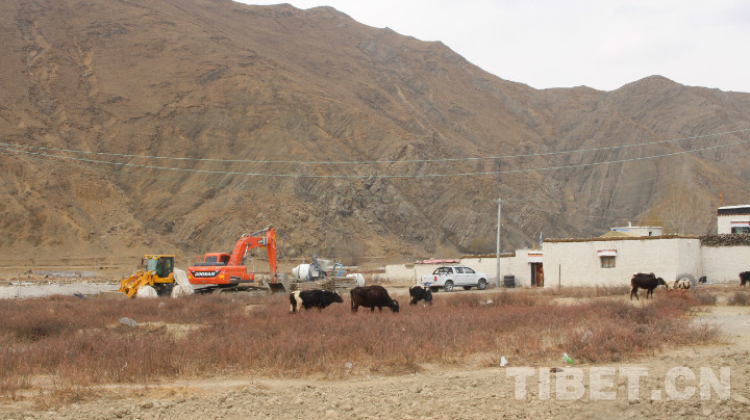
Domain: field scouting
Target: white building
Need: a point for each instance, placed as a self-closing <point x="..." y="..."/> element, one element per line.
<point x="611" y="260"/>
<point x="733" y="219"/>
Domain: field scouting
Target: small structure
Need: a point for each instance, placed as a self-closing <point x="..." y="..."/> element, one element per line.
<point x="733" y="219"/>
<point x="631" y="230"/>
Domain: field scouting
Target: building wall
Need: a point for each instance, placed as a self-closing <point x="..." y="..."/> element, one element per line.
<point x="401" y="273"/>
<point x="578" y="263"/>
<point x="722" y="264"/>
<point x="517" y="266"/>
<point x="689" y="261"/>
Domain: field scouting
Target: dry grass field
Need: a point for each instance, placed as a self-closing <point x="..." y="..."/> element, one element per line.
<point x="243" y="356"/>
<point x="71" y="343"/>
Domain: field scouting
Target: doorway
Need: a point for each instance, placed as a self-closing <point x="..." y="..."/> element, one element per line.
<point x="537" y="275"/>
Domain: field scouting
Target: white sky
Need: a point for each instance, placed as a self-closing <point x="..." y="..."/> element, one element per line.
<point x="603" y="44"/>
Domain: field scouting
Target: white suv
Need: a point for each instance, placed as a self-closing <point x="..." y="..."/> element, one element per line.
<point x="448" y="277"/>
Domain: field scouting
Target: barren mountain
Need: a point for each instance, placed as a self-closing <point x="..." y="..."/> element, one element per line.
<point x="133" y="126"/>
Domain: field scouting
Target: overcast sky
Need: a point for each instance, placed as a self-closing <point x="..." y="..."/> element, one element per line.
<point x="603" y="44"/>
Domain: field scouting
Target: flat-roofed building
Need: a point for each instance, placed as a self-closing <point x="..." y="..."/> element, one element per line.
<point x="733" y="219"/>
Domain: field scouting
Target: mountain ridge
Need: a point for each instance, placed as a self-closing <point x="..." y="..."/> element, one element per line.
<point x="279" y="88"/>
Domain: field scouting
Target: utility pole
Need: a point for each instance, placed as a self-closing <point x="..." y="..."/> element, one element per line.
<point x="497" y="254"/>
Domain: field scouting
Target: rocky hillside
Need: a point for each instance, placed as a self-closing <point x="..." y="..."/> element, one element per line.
<point x="178" y="125"/>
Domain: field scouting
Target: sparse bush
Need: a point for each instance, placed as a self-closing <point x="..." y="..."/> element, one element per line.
<point x="589" y="292"/>
<point x="706" y="299"/>
<point x="739" y="299"/>
<point x="601" y="291"/>
<point x="507" y="298"/>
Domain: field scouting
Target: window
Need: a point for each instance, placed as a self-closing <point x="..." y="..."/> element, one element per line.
<point x="459" y="270"/>
<point x="741" y="229"/>
<point x="608" y="262"/>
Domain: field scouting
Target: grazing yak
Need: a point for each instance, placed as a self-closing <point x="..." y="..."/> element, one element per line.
<point x="418" y="293"/>
<point x="744" y="277"/>
<point x="648" y="282"/>
<point x="681" y="284"/>
<point x="372" y="297"/>
<point x="312" y="299"/>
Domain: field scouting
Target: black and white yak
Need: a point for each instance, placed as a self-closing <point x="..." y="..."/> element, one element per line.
<point x="313" y="299"/>
<point x="682" y="283"/>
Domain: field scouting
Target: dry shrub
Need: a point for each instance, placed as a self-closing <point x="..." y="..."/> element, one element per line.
<point x="706" y="299"/>
<point x="83" y="343"/>
<point x="739" y="299"/>
<point x="588" y="292"/>
<point x="617" y="330"/>
<point x="513" y="298"/>
<point x="67" y="394"/>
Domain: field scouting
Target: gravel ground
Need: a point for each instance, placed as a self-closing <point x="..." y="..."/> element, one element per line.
<point x="435" y="394"/>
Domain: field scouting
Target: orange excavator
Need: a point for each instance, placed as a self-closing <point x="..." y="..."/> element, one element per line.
<point x="220" y="272"/>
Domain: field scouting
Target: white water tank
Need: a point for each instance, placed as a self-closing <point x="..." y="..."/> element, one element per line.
<point x="301" y="272"/>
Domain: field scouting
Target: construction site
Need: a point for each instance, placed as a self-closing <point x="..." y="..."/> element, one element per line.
<point x="212" y="273"/>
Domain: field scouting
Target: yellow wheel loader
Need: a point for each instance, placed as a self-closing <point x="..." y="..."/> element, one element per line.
<point x="156" y="272"/>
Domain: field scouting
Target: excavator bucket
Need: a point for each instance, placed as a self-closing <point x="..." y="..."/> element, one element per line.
<point x="278" y="285"/>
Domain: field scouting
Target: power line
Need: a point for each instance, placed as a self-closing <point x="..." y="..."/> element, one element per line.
<point x="146" y="175"/>
<point x="355" y="162"/>
<point x="536" y="208"/>
<point x="384" y="176"/>
<point x="534" y="202"/>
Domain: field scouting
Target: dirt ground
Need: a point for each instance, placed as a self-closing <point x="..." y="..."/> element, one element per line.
<point x="469" y="391"/>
